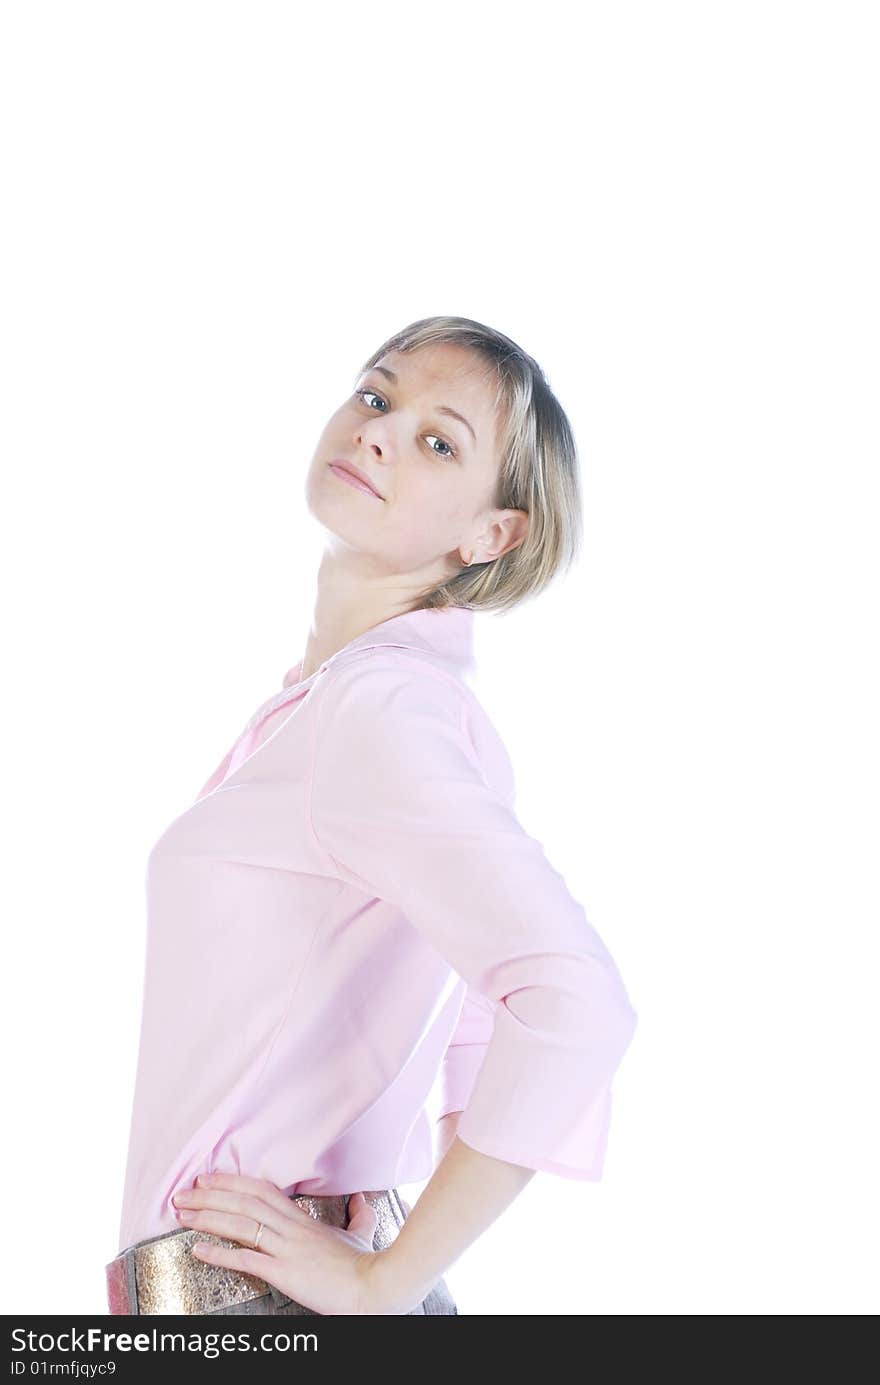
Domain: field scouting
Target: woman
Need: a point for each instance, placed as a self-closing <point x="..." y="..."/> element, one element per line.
<point x="351" y="911"/>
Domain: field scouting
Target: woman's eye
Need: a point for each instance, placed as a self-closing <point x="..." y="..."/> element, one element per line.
<point x="361" y="395"/>
<point x="449" y="453"/>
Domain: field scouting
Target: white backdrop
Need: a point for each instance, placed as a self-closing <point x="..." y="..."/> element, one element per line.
<point x="213" y="213"/>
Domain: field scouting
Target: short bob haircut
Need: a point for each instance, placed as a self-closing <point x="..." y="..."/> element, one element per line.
<point x="538" y="471"/>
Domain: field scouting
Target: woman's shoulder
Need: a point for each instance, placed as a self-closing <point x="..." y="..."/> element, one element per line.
<point x="410" y="697"/>
<point x="365" y="675"/>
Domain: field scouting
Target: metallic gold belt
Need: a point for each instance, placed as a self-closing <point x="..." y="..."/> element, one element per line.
<point x="161" y="1275"/>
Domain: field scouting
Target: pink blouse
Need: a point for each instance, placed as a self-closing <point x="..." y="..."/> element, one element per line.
<point x="348" y="914"/>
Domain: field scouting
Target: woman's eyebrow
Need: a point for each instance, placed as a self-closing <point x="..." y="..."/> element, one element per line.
<point x="441" y="408"/>
<point x="444" y="409"/>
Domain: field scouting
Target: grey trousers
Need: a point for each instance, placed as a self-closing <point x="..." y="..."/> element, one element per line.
<point x="142" y="1281"/>
<point x="439" y="1300"/>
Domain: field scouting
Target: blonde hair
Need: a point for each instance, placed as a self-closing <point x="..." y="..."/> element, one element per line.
<point x="538" y="469"/>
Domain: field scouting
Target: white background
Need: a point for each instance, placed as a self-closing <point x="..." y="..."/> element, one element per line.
<point x="212" y="214"/>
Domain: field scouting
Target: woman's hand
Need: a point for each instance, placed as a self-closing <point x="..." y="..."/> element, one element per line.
<point x="329" y="1269"/>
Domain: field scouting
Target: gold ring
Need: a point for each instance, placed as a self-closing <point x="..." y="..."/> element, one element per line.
<point x="260" y="1229"/>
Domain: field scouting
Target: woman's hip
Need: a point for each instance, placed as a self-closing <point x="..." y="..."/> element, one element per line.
<point x="160" y="1275"/>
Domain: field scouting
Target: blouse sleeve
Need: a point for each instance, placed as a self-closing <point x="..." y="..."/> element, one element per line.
<point x="401" y="806"/>
<point x="465" y="1052"/>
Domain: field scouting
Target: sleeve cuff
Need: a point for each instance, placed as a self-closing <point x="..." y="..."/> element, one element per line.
<point x="579" y="1155"/>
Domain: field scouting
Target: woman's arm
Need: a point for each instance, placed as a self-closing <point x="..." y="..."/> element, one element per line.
<point x="446" y="1127"/>
<point x="466" y="1193"/>
<point x="408" y="813"/>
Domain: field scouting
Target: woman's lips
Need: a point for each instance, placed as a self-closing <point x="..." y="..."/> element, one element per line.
<point x="352" y="480"/>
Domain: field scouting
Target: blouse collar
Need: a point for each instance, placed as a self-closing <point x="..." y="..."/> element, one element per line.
<point x="447" y="633"/>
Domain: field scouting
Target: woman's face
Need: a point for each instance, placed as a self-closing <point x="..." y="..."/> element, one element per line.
<point x="434" y="473"/>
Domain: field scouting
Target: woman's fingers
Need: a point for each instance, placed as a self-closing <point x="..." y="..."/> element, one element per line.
<point x="235" y="1215"/>
<point x="234" y="1226"/>
<point x="259" y="1188"/>
<point x="238" y="1258"/>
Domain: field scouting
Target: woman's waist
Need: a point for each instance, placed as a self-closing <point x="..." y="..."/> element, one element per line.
<point x="159" y="1274"/>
